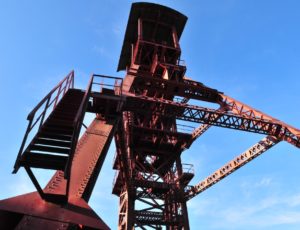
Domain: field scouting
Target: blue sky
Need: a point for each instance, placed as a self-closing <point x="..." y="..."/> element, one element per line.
<point x="248" y="49"/>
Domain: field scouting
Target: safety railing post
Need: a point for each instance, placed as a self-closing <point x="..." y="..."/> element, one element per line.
<point x="44" y="112"/>
<point x="16" y="166"/>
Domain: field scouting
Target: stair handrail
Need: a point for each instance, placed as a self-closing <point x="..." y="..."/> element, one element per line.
<point x="78" y="121"/>
<point x="62" y="87"/>
<point x="77" y="126"/>
<point x="116" y="86"/>
<point x="69" y="79"/>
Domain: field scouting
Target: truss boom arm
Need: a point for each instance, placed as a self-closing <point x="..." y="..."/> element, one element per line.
<point x="247" y="119"/>
<point x="247" y="156"/>
<point x="202" y="129"/>
<point x="286" y="132"/>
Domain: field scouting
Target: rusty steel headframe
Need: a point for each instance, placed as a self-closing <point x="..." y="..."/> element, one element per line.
<point x="143" y="113"/>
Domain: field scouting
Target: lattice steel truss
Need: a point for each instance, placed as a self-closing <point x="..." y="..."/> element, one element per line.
<point x="149" y="163"/>
<point x="142" y="112"/>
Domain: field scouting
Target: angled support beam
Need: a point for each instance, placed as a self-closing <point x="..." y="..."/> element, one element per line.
<point x="202" y="129"/>
<point x="247" y="156"/>
<point x="35" y="182"/>
<point x="286" y="132"/>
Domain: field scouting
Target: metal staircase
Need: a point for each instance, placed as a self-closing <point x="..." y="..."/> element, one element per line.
<point x="52" y="141"/>
<point x="51" y="147"/>
<point x="56" y="121"/>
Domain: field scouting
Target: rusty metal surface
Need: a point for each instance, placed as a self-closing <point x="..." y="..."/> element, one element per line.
<point x="253" y="122"/>
<point x="30" y="222"/>
<point x="142" y="113"/>
<point x="91" y="151"/>
<point x="91" y="148"/>
<point x="38" y="115"/>
<point x="150" y="11"/>
<point x="77" y="211"/>
<point x="88" y="152"/>
<point x="284" y="131"/>
<point x="149" y="145"/>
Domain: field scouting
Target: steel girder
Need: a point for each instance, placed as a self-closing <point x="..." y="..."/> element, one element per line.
<point x="32" y="212"/>
<point x="249" y="120"/>
<point x="239" y="161"/>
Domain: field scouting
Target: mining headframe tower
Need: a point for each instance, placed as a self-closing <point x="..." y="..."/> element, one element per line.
<point x="141" y="113"/>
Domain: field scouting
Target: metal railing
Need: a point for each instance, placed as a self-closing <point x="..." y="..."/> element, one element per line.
<point x="77" y="127"/>
<point x="188" y="168"/>
<point x="117" y="86"/>
<point x="114" y="83"/>
<point x="43" y="109"/>
<point x="179" y="99"/>
<point x="185" y="128"/>
<point x="104" y="82"/>
<point x="181" y="62"/>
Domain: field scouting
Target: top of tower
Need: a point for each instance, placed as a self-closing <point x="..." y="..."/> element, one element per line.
<point x="150" y="11"/>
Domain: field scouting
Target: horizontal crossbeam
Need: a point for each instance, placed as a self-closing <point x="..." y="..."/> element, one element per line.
<point x="230" y="118"/>
<point x="201" y="129"/>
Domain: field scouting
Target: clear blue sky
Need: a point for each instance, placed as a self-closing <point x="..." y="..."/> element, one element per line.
<point x="248" y="49"/>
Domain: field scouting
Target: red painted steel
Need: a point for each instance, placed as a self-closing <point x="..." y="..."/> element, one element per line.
<point x="143" y="114"/>
<point x="255" y="121"/>
<point x="150" y="178"/>
<point x="40" y="111"/>
<point x="239" y="161"/>
<point x="32" y="211"/>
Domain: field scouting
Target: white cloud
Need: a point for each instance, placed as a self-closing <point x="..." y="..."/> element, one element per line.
<point x="251" y="186"/>
<point x="267" y="208"/>
<point x="264" y="182"/>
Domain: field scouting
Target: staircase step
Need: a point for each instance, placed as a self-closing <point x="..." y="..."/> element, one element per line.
<point x="77" y="92"/>
<point x="57" y="122"/>
<point x="58" y="116"/>
<point x="62" y="116"/>
<point x="52" y="142"/>
<point x="60" y="126"/>
<point x="55" y="130"/>
<point x="65" y="112"/>
<point x="55" y="136"/>
<point x="45" y="161"/>
<point x="72" y="98"/>
<point x="66" y="104"/>
<point x="50" y="149"/>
